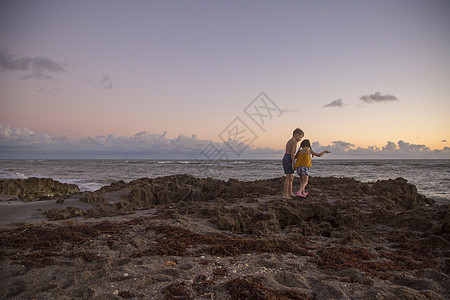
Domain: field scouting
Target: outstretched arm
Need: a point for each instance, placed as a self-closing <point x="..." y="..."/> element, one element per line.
<point x="319" y="154"/>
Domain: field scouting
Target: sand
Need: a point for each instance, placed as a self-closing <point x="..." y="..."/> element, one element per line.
<point x="180" y="237"/>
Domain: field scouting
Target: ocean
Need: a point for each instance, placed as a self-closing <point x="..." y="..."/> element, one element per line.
<point x="431" y="177"/>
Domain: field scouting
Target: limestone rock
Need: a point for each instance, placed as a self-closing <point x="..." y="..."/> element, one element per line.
<point x="36" y="188"/>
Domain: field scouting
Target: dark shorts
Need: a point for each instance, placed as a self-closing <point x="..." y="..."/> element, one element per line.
<point x="287" y="164"/>
<point x="303" y="171"/>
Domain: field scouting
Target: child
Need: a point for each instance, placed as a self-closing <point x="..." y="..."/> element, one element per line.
<point x="303" y="165"/>
<point x="288" y="162"/>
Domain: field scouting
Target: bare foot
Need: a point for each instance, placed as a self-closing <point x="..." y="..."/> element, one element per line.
<point x="287" y="197"/>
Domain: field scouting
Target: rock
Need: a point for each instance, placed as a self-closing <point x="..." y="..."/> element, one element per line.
<point x="352" y="238"/>
<point x="62" y="214"/>
<point x="434" y="241"/>
<point x="322" y="213"/>
<point x="145" y="192"/>
<point x="415" y="283"/>
<point x="36" y="188"/>
<point x="13" y="289"/>
<point x="400" y="193"/>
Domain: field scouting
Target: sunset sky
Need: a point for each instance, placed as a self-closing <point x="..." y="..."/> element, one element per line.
<point x="155" y="78"/>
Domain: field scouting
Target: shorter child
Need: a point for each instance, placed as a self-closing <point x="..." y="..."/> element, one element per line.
<point x="303" y="165"/>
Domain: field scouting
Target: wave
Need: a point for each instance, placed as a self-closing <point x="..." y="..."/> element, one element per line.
<point x="181" y="162"/>
<point x="238" y="162"/>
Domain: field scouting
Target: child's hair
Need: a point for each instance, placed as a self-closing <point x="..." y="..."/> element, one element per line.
<point x="305" y="143"/>
<point x="298" y="131"/>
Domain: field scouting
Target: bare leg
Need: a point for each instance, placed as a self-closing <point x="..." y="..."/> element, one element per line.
<point x="291" y="193"/>
<point x="303" y="183"/>
<point x="288" y="186"/>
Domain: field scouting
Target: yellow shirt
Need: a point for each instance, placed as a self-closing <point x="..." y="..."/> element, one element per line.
<point x="303" y="160"/>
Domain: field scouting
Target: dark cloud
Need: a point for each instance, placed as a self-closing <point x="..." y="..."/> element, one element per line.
<point x="36" y="67"/>
<point x="444" y="141"/>
<point x="377" y="97"/>
<point x="105" y="82"/>
<point x="335" y="103"/>
<point x="46" y="90"/>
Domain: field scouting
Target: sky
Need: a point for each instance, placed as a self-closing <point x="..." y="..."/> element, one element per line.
<point x="210" y="79"/>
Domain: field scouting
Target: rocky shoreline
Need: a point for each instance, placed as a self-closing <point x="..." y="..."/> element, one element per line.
<point x="182" y="237"/>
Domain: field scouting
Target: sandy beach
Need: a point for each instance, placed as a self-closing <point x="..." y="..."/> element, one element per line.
<point x="181" y="237"/>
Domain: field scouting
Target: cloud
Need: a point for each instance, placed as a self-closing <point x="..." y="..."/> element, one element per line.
<point x="10" y="138"/>
<point x="25" y="143"/>
<point x="335" y="103"/>
<point x="390" y="147"/>
<point x="377" y="97"/>
<point x="105" y="82"/>
<point x="342" y="145"/>
<point x="407" y="147"/>
<point x="36" y="67"/>
<point x="443" y="141"/>
<point x="399" y="150"/>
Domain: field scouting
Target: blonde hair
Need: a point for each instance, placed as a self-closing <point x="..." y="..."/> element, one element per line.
<point x="298" y="131"/>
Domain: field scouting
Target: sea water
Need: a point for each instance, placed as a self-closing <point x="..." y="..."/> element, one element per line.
<point x="431" y="177"/>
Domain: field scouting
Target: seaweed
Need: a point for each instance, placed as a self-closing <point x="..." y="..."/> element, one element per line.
<point x="203" y="286"/>
<point x="376" y="265"/>
<point x="86" y="256"/>
<point x="177" y="290"/>
<point x="38" y="259"/>
<point x="220" y="272"/>
<point x="252" y="288"/>
<point x="409" y="255"/>
<point x="127" y="294"/>
<point x="45" y="242"/>
<point x="177" y="241"/>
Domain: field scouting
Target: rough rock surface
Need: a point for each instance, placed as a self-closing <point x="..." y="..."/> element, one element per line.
<point x="36" y="188"/>
<point x="181" y="237"/>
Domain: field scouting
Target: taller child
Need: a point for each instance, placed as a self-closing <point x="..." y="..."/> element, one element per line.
<point x="289" y="160"/>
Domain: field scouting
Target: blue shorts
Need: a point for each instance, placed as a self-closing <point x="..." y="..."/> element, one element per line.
<point x="287" y="164"/>
<point x="304" y="171"/>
